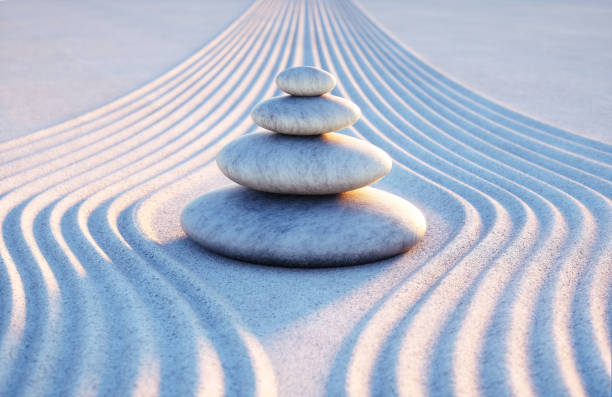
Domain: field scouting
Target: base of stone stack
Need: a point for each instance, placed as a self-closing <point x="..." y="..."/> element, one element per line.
<point x="360" y="226"/>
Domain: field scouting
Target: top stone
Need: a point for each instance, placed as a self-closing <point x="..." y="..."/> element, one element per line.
<point x="305" y="81"/>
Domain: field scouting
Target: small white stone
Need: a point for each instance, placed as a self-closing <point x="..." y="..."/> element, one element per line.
<point x="359" y="226"/>
<point x="321" y="164"/>
<point x="305" y="115"/>
<point x="305" y="81"/>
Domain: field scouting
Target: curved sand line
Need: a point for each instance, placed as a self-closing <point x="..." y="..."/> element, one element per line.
<point x="508" y="293"/>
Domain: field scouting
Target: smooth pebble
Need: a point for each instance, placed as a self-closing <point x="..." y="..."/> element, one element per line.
<point x="321" y="164"/>
<point x="305" y="115"/>
<point x="359" y="226"/>
<point x="305" y="81"/>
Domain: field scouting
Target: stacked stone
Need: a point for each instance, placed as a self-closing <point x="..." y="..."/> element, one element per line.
<point x="304" y="201"/>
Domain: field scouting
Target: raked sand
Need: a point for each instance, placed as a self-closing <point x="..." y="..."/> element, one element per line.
<point x="509" y="291"/>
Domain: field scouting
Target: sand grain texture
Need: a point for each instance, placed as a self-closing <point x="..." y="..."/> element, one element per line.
<point x="508" y="293"/>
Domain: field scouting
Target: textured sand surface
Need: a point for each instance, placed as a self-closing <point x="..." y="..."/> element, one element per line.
<point x="547" y="59"/>
<point x="61" y="58"/>
<point x="508" y="293"/>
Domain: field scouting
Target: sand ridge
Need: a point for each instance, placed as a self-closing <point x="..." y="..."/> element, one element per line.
<point x="508" y="291"/>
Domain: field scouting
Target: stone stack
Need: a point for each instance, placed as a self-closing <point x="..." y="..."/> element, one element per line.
<point x="304" y="202"/>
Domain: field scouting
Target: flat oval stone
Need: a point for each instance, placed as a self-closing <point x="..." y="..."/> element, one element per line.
<point x="320" y="164"/>
<point x="305" y="115"/>
<point x="305" y="81"/>
<point x="359" y="226"/>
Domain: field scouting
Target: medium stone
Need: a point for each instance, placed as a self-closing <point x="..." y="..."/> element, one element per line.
<point x="305" y="115"/>
<point x="305" y="81"/>
<point x="359" y="226"/>
<point x="321" y="164"/>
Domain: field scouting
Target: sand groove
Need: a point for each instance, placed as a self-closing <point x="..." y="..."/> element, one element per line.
<point x="509" y="293"/>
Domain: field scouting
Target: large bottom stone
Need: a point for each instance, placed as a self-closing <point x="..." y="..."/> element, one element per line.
<point x="359" y="226"/>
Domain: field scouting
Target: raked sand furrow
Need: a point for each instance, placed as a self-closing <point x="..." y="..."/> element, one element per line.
<point x="545" y="132"/>
<point x="599" y="280"/>
<point x="133" y="362"/>
<point x="233" y="342"/>
<point x="170" y="157"/>
<point x="159" y="113"/>
<point x="63" y="186"/>
<point x="40" y="296"/>
<point x="122" y="335"/>
<point x="115" y="211"/>
<point x="405" y="118"/>
<point x="582" y="337"/>
<point x="80" y="336"/>
<point x="55" y="135"/>
<point x="411" y="65"/>
<point x="358" y="379"/>
<point x="416" y="86"/>
<point x="458" y="128"/>
<point x="588" y="377"/>
<point x="186" y="83"/>
<point x="590" y="333"/>
<point x="42" y="338"/>
<point x="366" y="341"/>
<point x="362" y="358"/>
<point x="175" y="325"/>
<point x="48" y="344"/>
<point x="507" y="294"/>
<point x="369" y="58"/>
<point x="92" y="202"/>
<point x="604" y="228"/>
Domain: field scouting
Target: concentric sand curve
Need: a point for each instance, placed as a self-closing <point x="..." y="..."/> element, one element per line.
<point x="508" y="293"/>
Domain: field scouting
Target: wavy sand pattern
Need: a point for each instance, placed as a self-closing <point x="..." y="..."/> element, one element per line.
<point x="509" y="292"/>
